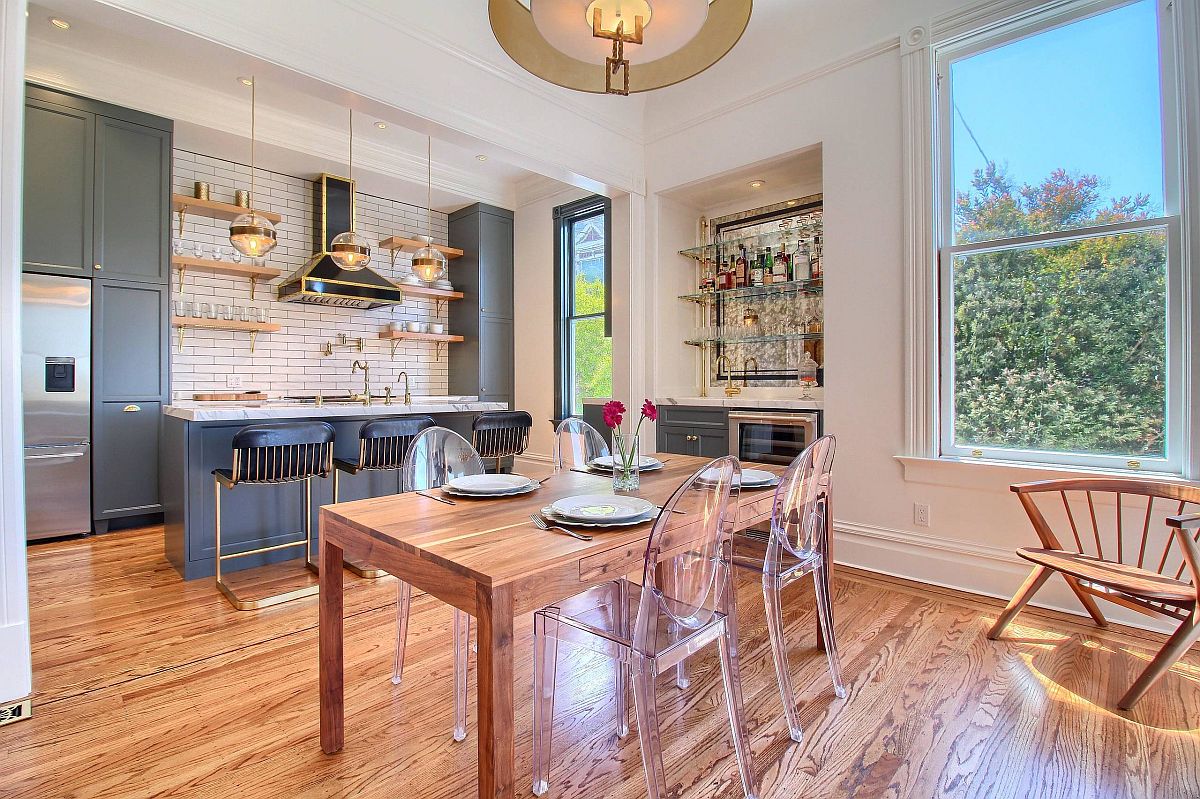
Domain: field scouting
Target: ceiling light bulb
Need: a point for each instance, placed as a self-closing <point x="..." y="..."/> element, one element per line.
<point x="246" y="81"/>
<point x="791" y="202"/>
<point x="428" y="263"/>
<point x="481" y="157"/>
<point x="350" y="251"/>
<point x="60" y="23"/>
<point x="757" y="184"/>
<point x="381" y="125"/>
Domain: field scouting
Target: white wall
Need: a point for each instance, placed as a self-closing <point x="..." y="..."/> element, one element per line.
<point x="854" y="110"/>
<point x="16" y="676"/>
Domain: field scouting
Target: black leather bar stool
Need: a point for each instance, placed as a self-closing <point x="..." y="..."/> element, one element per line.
<point x="500" y="434"/>
<point x="382" y="445"/>
<point x="275" y="454"/>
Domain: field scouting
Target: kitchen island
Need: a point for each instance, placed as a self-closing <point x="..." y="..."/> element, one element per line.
<point x="197" y="438"/>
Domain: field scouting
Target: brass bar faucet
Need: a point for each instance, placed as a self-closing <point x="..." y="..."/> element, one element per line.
<point x="730" y="389"/>
<point x="746" y="368"/>
<point x="365" y="397"/>
<point x="407" y="393"/>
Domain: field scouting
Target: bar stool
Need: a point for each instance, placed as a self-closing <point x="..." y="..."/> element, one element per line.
<point x="274" y="454"/>
<point x="501" y="434"/>
<point x="382" y="445"/>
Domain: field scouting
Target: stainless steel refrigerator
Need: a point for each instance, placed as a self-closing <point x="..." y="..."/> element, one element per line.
<point x="56" y="380"/>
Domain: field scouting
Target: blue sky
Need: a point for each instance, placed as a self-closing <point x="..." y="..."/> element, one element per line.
<point x="1084" y="97"/>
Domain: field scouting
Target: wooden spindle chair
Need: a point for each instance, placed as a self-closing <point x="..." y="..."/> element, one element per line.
<point x="1148" y="561"/>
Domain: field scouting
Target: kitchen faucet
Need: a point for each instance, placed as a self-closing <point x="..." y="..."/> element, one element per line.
<point x="387" y="391"/>
<point x="730" y="389"/>
<point x="365" y="397"/>
<point x="746" y="368"/>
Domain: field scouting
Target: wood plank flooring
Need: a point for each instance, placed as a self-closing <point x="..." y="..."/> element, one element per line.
<point x="149" y="686"/>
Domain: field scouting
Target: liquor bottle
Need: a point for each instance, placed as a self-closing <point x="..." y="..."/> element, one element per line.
<point x="739" y="276"/>
<point x="801" y="263"/>
<point x="758" y="271"/>
<point x="726" y="278"/>
<point x="742" y="268"/>
<point x="768" y="267"/>
<point x="818" y="268"/>
<point x="780" y="268"/>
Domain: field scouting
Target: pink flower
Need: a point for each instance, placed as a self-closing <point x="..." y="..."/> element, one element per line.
<point x="614" y="411"/>
<point x="649" y="411"/>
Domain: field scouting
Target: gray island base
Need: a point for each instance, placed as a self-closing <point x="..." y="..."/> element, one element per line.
<point x="198" y="438"/>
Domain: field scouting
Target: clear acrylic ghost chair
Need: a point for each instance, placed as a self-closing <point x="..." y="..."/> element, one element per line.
<point x="798" y="546"/>
<point x="576" y="444"/>
<point x="699" y="600"/>
<point x="435" y="457"/>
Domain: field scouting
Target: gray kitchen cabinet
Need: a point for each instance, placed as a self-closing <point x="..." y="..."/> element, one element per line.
<point x="686" y="430"/>
<point x="59" y="147"/>
<point x="484" y="364"/>
<point x="125" y="460"/>
<point x="132" y="226"/>
<point x="131" y="352"/>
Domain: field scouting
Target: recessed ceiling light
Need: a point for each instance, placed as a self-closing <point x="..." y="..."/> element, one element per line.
<point x="757" y="184"/>
<point x="60" y="23"/>
<point x="791" y="202"/>
<point x="381" y="125"/>
<point x="246" y="81"/>
<point x="481" y="157"/>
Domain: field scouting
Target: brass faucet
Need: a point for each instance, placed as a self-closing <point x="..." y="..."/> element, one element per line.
<point x="365" y="397"/>
<point x="730" y="389"/>
<point x="746" y="368"/>
<point x="407" y="393"/>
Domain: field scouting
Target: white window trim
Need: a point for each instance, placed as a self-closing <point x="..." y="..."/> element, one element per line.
<point x="919" y="47"/>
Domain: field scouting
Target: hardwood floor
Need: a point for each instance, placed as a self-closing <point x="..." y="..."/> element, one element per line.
<point x="149" y="686"/>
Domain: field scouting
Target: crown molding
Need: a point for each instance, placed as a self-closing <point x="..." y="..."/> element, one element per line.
<point x="127" y="85"/>
<point x="708" y="114"/>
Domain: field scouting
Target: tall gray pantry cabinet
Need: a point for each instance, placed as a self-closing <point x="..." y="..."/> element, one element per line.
<point x="97" y="205"/>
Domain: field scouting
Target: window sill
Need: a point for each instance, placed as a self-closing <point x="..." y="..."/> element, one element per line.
<point x="982" y="474"/>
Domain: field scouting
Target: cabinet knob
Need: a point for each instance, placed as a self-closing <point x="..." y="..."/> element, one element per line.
<point x="131" y="408"/>
<point x="483" y="310"/>
<point x="98" y="267"/>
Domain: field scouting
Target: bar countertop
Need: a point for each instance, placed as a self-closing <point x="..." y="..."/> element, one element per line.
<point x="191" y="411"/>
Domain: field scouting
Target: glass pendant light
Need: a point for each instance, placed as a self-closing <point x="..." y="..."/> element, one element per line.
<point x="252" y="234"/>
<point x="429" y="263"/>
<point x="349" y="250"/>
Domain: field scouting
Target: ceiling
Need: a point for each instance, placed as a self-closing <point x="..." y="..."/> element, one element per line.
<point x="302" y="124"/>
<point x="782" y="178"/>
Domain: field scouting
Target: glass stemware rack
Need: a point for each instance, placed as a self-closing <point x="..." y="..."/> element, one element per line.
<point x="759" y="294"/>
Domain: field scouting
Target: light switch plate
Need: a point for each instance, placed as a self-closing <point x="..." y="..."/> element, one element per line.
<point x="233" y="381"/>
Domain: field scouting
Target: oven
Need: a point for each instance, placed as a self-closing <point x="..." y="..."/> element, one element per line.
<point x="775" y="437"/>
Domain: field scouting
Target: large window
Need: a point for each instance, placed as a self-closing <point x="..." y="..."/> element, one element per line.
<point x="584" y="330"/>
<point x="1059" y="237"/>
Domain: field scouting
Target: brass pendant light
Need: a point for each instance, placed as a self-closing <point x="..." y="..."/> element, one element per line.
<point x="252" y="234"/>
<point x="349" y="250"/>
<point x="429" y="263"/>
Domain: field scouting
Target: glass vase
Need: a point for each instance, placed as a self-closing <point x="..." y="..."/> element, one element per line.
<point x="626" y="460"/>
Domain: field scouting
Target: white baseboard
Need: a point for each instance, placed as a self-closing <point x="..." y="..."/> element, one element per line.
<point x="15" y="679"/>
<point x="962" y="565"/>
<point x="534" y="457"/>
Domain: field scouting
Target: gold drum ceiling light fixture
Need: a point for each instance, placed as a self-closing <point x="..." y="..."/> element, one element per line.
<point x="252" y="234"/>
<point x="429" y="263"/>
<point x="617" y="46"/>
<point x="349" y="250"/>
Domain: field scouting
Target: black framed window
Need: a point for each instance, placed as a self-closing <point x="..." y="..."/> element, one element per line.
<point x="583" y="292"/>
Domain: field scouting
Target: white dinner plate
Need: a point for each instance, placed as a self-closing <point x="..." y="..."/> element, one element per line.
<point x="602" y="507"/>
<point x="751" y="478"/>
<point x="645" y="463"/>
<point x="555" y="518"/>
<point x="489" y="483"/>
<point x="533" y="486"/>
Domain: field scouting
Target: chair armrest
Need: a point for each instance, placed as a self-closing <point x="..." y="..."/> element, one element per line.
<point x="1185" y="522"/>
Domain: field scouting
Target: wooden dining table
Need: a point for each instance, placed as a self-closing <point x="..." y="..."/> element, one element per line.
<point x="486" y="557"/>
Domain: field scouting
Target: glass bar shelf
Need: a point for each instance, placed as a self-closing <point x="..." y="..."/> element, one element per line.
<point x="771" y="239"/>
<point x="754" y="292"/>
<point x="763" y="339"/>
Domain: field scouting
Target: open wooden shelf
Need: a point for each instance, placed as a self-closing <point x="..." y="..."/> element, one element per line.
<point x="412" y="245"/>
<point x="429" y="291"/>
<point x="225" y="324"/>
<point x="397" y="335"/>
<point x="188" y="263"/>
<point x="216" y="210"/>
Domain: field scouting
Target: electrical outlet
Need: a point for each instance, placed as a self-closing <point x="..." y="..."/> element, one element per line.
<point x="233" y="381"/>
<point x="920" y="514"/>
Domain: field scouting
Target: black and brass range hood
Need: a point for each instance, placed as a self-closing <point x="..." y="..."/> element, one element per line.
<point x="321" y="281"/>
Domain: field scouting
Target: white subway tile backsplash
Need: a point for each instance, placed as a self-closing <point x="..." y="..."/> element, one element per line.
<point x="292" y="360"/>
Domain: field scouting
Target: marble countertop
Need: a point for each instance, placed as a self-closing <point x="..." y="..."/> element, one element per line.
<point x="719" y="400"/>
<point x="282" y="409"/>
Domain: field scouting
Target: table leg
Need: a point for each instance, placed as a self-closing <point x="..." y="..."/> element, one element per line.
<point x="330" y="648"/>
<point x="495" y="692"/>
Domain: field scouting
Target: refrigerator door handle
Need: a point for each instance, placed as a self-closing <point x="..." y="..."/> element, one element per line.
<point x="55" y="455"/>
